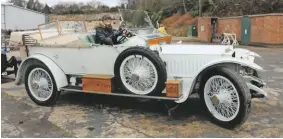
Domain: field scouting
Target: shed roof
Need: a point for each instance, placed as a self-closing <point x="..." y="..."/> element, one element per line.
<point x="11" y="4"/>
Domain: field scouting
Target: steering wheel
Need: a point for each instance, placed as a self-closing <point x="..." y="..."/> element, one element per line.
<point x="123" y="36"/>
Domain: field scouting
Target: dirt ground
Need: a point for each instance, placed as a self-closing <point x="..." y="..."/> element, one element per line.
<point x="87" y="115"/>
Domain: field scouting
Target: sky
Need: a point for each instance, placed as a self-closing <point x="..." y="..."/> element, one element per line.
<point x="52" y="2"/>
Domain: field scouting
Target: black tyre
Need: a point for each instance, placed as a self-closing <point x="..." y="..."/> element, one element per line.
<point x="139" y="70"/>
<point x="225" y="97"/>
<point x="40" y="85"/>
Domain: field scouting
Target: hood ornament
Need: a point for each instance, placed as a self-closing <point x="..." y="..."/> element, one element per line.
<point x="228" y="50"/>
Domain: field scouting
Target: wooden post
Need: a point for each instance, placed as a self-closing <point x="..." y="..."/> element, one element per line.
<point x="86" y="30"/>
<point x="25" y="48"/>
<point x="57" y="27"/>
<point x="39" y="31"/>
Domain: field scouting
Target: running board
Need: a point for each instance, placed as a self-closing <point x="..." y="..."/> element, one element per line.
<point x="79" y="89"/>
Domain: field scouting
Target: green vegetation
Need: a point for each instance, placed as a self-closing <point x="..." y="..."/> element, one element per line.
<point x="161" y="9"/>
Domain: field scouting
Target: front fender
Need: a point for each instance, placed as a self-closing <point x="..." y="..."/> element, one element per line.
<point x="215" y="63"/>
<point x="241" y="53"/>
<point x="58" y="74"/>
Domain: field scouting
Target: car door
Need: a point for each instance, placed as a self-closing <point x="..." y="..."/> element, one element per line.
<point x="99" y="59"/>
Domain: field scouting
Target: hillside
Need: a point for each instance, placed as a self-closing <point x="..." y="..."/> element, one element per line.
<point x="178" y="14"/>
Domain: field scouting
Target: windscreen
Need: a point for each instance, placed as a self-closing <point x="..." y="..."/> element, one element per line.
<point x="133" y="19"/>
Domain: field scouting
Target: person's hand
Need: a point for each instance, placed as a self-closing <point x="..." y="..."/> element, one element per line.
<point x="125" y="32"/>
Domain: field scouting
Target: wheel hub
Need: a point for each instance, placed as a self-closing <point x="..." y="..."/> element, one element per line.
<point x="221" y="97"/>
<point x="135" y="77"/>
<point x="43" y="82"/>
<point x="215" y="100"/>
<point x="36" y="86"/>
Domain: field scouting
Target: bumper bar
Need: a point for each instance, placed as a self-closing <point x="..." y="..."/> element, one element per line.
<point x="255" y="85"/>
<point x="256" y="91"/>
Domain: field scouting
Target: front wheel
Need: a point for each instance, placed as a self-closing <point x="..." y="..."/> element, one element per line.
<point x="226" y="97"/>
<point x="40" y="85"/>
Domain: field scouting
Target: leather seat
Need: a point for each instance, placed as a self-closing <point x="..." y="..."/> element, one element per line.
<point x="89" y="39"/>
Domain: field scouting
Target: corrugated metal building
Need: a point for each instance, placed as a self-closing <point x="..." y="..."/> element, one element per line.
<point x="18" y="18"/>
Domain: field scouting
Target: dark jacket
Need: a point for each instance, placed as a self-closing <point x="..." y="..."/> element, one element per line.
<point x="105" y="35"/>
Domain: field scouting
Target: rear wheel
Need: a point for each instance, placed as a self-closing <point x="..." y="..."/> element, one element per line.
<point x="40" y="85"/>
<point x="226" y="97"/>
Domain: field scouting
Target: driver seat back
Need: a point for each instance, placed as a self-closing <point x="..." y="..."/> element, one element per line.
<point x="89" y="39"/>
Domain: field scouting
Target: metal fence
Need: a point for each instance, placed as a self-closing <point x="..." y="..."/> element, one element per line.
<point x="6" y="43"/>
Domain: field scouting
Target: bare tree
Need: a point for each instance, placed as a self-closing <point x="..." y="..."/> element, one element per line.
<point x="30" y="4"/>
<point x="46" y="9"/>
<point x="184" y="3"/>
<point x="21" y="3"/>
<point x="37" y="6"/>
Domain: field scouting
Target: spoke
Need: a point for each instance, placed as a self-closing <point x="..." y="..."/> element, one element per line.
<point x="147" y="83"/>
<point x="227" y="95"/>
<point x="141" y="86"/>
<point x="141" y="67"/>
<point x="134" y="84"/>
<point x="40" y="84"/>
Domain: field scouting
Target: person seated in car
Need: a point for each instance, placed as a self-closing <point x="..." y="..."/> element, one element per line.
<point x="105" y="34"/>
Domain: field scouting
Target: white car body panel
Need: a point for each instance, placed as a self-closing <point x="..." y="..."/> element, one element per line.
<point x="183" y="61"/>
<point x="187" y="62"/>
<point x="98" y="60"/>
<point x="191" y="77"/>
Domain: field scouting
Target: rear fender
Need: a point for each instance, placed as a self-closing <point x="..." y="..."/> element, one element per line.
<point x="58" y="74"/>
<point x="229" y="62"/>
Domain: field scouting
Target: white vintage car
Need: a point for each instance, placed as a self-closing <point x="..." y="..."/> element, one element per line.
<point x="145" y="64"/>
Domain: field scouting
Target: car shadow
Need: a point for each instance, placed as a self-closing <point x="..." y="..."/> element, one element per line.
<point x="189" y="110"/>
<point x="5" y="79"/>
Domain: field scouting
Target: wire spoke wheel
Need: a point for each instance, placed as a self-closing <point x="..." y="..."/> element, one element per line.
<point x="138" y="74"/>
<point x="221" y="98"/>
<point x="140" y="71"/>
<point x="40" y="84"/>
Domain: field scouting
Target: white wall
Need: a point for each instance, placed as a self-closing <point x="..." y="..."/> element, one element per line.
<point x="2" y="17"/>
<point x="22" y="19"/>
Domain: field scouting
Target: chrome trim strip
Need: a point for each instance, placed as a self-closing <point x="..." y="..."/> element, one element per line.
<point x="125" y="95"/>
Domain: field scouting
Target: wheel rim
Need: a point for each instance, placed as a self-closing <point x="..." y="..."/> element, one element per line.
<point x="138" y="74"/>
<point x="221" y="98"/>
<point x="40" y="84"/>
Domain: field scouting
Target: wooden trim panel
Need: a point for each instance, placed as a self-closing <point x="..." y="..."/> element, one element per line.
<point x="99" y="83"/>
<point x="173" y="88"/>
